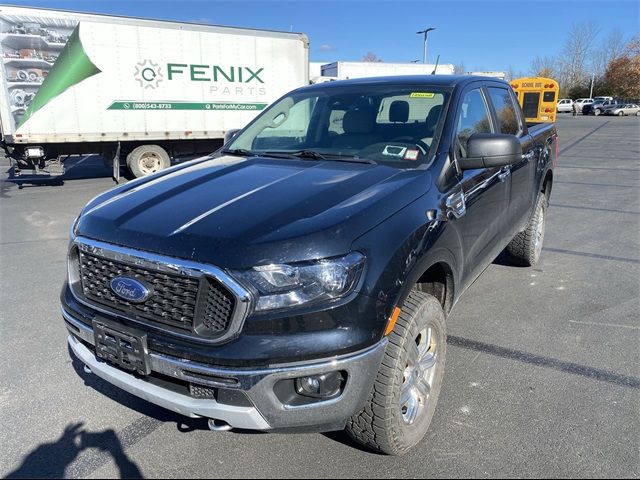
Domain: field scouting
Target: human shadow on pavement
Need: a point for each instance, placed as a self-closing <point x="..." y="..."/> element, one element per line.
<point x="183" y="424"/>
<point x="50" y="460"/>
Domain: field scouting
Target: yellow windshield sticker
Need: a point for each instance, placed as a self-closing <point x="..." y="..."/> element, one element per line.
<point x="421" y="95"/>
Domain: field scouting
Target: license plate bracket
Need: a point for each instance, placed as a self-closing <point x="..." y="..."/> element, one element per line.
<point x="122" y="346"/>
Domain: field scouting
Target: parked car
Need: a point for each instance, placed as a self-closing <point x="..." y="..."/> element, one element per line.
<point x="581" y="102"/>
<point x="565" y="105"/>
<point x="627" y="109"/>
<point x="300" y="277"/>
<point x="599" y="106"/>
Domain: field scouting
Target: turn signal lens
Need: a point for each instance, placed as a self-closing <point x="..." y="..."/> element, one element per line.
<point x="392" y="321"/>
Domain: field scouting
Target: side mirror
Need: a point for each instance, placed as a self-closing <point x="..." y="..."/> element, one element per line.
<point x="488" y="150"/>
<point x="230" y="134"/>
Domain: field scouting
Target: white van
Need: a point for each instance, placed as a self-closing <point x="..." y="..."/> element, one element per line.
<point x="565" y="105"/>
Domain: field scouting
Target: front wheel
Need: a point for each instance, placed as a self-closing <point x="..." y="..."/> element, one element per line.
<point x="620" y="114"/>
<point x="404" y="396"/>
<point x="597" y="112"/>
<point x="525" y="248"/>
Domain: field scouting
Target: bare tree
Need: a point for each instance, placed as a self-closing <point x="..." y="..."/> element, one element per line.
<point x="543" y="67"/>
<point x="576" y="51"/>
<point x="459" y="69"/>
<point x="612" y="47"/>
<point x="371" y="57"/>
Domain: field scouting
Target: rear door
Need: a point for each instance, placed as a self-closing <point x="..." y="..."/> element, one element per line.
<point x="508" y="120"/>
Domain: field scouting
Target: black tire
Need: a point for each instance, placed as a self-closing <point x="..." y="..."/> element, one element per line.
<point x="597" y="112"/>
<point x="525" y="248"/>
<point x="381" y="425"/>
<point x="147" y="159"/>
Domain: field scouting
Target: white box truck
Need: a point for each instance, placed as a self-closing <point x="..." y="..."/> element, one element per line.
<point x="143" y="91"/>
<point x="346" y="70"/>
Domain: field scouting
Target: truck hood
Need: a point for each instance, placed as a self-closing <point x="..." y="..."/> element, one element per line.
<point x="238" y="212"/>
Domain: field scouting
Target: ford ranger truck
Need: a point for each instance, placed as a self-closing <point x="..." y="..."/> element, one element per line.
<point x="299" y="278"/>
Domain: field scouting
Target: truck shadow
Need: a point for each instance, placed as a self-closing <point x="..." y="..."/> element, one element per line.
<point x="50" y="460"/>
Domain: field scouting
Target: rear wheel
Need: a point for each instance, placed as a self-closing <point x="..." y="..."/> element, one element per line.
<point x="620" y="114"/>
<point x="525" y="248"/>
<point x="404" y="396"/>
<point x="147" y="159"/>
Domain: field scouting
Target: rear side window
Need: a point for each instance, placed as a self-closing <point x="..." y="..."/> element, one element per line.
<point x="417" y="107"/>
<point x="508" y="121"/>
<point x="473" y="117"/>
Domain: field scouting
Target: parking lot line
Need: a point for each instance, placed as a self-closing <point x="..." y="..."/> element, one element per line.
<point x="600" y="324"/>
<point x="595" y="209"/>
<point x="614" y="185"/>
<point x="587" y="135"/>
<point x="547" y="362"/>
<point x="591" y="255"/>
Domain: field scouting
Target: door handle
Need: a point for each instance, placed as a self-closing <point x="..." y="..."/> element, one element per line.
<point x="504" y="173"/>
<point x="456" y="205"/>
<point x="530" y="155"/>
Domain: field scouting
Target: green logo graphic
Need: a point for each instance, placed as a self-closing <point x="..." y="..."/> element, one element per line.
<point x="72" y="67"/>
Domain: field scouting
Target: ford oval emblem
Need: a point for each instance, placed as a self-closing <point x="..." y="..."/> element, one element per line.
<point x="130" y="289"/>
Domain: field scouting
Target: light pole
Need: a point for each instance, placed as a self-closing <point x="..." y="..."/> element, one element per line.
<point x="593" y="78"/>
<point x="426" y="32"/>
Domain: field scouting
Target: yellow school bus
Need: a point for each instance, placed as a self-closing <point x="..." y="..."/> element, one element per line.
<point x="538" y="98"/>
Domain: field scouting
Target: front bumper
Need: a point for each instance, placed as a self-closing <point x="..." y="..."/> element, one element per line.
<point x="265" y="410"/>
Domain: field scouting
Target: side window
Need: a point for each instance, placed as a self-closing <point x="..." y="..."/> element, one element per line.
<point x="473" y="117"/>
<point x="508" y="121"/>
<point x="287" y="128"/>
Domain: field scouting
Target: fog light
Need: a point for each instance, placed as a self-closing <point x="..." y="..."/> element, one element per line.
<point x="325" y="386"/>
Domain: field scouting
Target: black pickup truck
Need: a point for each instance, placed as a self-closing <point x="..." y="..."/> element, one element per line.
<point x="299" y="278"/>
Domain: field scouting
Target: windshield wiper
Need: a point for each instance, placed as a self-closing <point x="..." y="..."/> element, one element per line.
<point x="353" y="159"/>
<point x="306" y="154"/>
<point x="313" y="155"/>
<point x="241" y="152"/>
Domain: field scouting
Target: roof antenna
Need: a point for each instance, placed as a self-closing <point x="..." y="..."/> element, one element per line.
<point x="436" y="67"/>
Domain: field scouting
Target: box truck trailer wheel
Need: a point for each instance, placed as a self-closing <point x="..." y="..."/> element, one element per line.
<point x="147" y="159"/>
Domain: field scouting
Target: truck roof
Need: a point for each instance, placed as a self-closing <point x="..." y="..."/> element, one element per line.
<point x="408" y="80"/>
<point x="26" y="11"/>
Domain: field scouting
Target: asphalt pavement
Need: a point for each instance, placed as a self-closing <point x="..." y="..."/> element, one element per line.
<point x="543" y="363"/>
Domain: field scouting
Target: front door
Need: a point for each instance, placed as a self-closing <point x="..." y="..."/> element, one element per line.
<point x="479" y="201"/>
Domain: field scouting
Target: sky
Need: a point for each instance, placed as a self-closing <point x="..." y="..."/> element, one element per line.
<point x="495" y="35"/>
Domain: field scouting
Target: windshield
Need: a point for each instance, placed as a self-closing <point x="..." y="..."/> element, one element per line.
<point x="393" y="125"/>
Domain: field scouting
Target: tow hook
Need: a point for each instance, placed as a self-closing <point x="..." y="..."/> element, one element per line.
<point x="218" y="425"/>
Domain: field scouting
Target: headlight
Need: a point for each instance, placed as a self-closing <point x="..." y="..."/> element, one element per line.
<point x="74" y="225"/>
<point x="283" y="286"/>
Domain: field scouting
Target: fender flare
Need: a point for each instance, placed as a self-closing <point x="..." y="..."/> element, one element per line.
<point x="440" y="255"/>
